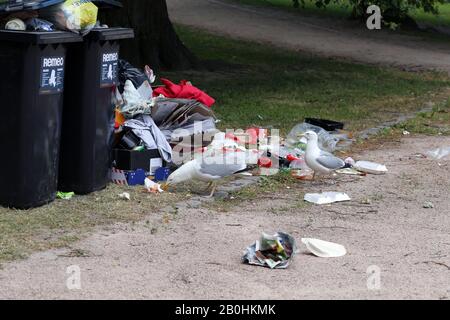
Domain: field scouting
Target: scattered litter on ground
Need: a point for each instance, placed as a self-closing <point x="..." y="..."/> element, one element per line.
<point x="351" y="171"/>
<point x="125" y="196"/>
<point x="350" y="161"/>
<point x="65" y="195"/>
<point x="296" y="138"/>
<point x="439" y="154"/>
<point x="428" y="205"/>
<point x="274" y="252"/>
<point x="152" y="186"/>
<point x="326" y="197"/>
<point x="329" y="140"/>
<point x="328" y="125"/>
<point x="300" y="170"/>
<point x="370" y="167"/>
<point x="324" y="249"/>
<point x="420" y="156"/>
<point x="305" y="174"/>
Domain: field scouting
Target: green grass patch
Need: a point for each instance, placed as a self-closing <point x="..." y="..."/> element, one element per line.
<point x="436" y="122"/>
<point x="256" y="84"/>
<point x="65" y="221"/>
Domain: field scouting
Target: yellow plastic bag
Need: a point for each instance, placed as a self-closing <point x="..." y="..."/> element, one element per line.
<point x="78" y="16"/>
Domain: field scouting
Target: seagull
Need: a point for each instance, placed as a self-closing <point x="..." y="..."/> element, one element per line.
<point x="318" y="160"/>
<point x="209" y="168"/>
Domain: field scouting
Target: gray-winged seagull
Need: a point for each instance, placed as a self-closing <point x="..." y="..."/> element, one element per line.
<point x="319" y="160"/>
<point x="209" y="169"/>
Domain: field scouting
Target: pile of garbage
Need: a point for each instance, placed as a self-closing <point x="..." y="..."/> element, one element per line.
<point x="151" y="121"/>
<point x="79" y="16"/>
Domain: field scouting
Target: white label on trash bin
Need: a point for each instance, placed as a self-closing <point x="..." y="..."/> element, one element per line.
<point x="109" y="69"/>
<point x="52" y="75"/>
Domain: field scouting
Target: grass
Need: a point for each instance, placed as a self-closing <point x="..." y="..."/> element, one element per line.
<point x="254" y="85"/>
<point x="339" y="11"/>
<point x="436" y="122"/>
<point x="63" y="222"/>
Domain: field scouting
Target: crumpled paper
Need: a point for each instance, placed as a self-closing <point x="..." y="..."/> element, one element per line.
<point x="274" y="252"/>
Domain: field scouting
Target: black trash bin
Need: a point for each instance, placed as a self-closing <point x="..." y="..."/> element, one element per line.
<point x="88" y="119"/>
<point x="31" y="89"/>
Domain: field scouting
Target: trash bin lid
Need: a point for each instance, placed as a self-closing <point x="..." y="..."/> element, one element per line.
<point x="10" y="5"/>
<point x="43" y="38"/>
<point x="108" y="3"/>
<point x="39" y="4"/>
<point x="108" y="34"/>
<point x="21" y="5"/>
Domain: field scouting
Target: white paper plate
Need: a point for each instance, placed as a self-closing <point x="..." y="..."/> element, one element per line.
<point x="324" y="249"/>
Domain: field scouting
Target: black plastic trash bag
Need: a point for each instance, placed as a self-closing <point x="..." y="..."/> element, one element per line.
<point x="128" y="72"/>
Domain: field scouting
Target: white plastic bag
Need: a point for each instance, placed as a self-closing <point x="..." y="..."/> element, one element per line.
<point x="439" y="154"/>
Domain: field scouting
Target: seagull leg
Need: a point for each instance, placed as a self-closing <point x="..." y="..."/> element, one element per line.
<point x="314" y="176"/>
<point x="213" y="189"/>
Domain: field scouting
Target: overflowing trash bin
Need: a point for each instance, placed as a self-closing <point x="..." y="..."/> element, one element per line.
<point x="88" y="118"/>
<point x="31" y="88"/>
<point x="77" y="117"/>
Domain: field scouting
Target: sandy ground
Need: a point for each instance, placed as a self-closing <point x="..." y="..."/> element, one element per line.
<point x="197" y="255"/>
<point x="324" y="36"/>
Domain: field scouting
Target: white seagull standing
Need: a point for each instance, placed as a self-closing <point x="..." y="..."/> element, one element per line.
<point x="320" y="161"/>
<point x="210" y="168"/>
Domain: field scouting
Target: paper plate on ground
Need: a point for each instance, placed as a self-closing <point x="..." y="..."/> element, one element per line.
<point x="324" y="249"/>
<point x="370" y="167"/>
<point x="326" y="197"/>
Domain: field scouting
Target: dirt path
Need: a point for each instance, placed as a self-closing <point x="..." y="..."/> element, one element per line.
<point x="197" y="256"/>
<point x="323" y="36"/>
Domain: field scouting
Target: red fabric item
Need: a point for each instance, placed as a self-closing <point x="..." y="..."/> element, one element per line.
<point x="184" y="90"/>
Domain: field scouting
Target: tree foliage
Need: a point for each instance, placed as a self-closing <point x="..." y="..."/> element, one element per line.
<point x="392" y="10"/>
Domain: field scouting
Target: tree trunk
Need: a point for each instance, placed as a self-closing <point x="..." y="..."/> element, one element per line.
<point x="156" y="42"/>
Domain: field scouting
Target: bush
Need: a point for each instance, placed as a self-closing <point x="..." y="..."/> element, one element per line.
<point x="392" y="10"/>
